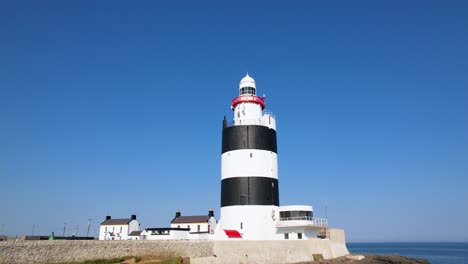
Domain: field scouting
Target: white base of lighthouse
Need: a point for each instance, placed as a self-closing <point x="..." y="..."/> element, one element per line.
<point x="253" y="222"/>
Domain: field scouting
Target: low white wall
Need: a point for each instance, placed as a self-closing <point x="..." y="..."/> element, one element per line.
<point x="276" y="251"/>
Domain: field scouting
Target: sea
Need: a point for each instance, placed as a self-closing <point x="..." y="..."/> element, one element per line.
<point x="435" y="252"/>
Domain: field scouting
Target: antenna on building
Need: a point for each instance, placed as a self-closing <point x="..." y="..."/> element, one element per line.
<point x="64" y="228"/>
<point x="326" y="210"/>
<point x="89" y="224"/>
<point x="32" y="232"/>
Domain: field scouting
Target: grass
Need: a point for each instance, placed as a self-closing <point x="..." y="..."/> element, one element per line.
<point x="103" y="261"/>
<point x="176" y="260"/>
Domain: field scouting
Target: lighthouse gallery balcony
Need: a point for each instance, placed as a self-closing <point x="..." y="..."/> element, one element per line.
<point x="299" y="216"/>
<point x="267" y="119"/>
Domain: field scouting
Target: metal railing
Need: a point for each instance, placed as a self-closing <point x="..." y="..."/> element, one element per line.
<point x="314" y="220"/>
<point x="255" y="121"/>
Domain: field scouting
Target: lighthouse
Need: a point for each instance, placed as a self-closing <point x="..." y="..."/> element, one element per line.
<point x="249" y="169"/>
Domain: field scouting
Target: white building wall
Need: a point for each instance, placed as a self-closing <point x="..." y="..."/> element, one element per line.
<point x="134" y="237"/>
<point x="134" y="225"/>
<point x="193" y="226"/>
<point x="247" y="111"/>
<point x="294" y="232"/>
<point x="269" y="121"/>
<point x="205" y="231"/>
<point x="199" y="236"/>
<point x="173" y="234"/>
<point x="102" y="232"/>
<point x="120" y="231"/>
<point x="254" y="222"/>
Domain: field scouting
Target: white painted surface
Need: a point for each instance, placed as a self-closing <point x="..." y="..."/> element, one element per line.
<point x="258" y="222"/>
<point x="269" y="120"/>
<point x="134" y="237"/>
<point x="249" y="162"/>
<point x="247" y="81"/>
<point x="203" y="236"/>
<point x="285" y="251"/>
<point x="296" y="208"/>
<point x="247" y="111"/>
<point x="293" y="233"/>
<point x="171" y="234"/>
<point x="193" y="226"/>
<point x="118" y="232"/>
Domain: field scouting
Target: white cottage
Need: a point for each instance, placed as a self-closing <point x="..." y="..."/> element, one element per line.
<point x="184" y="227"/>
<point x="199" y="226"/>
<point x="118" y="229"/>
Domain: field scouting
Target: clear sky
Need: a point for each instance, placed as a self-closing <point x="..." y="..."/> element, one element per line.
<point x="116" y="107"/>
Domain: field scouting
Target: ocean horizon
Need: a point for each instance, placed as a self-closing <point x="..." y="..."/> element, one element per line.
<point x="435" y="252"/>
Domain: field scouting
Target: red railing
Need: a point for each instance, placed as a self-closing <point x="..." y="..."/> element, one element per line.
<point x="249" y="99"/>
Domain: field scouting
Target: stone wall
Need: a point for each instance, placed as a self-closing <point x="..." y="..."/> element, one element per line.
<point x="60" y="251"/>
<point x="200" y="252"/>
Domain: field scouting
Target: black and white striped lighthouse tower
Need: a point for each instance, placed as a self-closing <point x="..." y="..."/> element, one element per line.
<point x="249" y="169"/>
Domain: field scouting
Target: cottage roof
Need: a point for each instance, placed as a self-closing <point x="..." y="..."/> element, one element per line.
<point x="116" y="221"/>
<point x="191" y="219"/>
<point x="135" y="233"/>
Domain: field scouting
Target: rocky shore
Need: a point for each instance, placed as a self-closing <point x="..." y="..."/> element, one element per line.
<point x="371" y="259"/>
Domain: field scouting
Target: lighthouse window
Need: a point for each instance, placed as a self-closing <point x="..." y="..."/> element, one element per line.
<point x="247" y="90"/>
<point x="251" y="154"/>
<point x="243" y="200"/>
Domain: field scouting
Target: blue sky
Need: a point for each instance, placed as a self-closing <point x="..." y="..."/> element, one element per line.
<point x="115" y="107"/>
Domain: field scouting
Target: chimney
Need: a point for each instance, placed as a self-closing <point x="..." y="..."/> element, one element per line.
<point x="211" y="212"/>
<point x="108" y="217"/>
<point x="177" y="214"/>
<point x="133" y="217"/>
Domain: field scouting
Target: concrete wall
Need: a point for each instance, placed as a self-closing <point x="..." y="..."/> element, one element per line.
<point x="276" y="251"/>
<point x="67" y="251"/>
<point x="233" y="251"/>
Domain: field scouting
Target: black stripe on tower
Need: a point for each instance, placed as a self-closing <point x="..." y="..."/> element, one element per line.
<point x="249" y="191"/>
<point x="249" y="137"/>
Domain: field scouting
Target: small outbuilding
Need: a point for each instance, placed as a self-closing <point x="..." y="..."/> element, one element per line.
<point x="135" y="235"/>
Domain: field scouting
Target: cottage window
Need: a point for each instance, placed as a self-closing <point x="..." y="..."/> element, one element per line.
<point x="286" y="236"/>
<point x="299" y="235"/>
